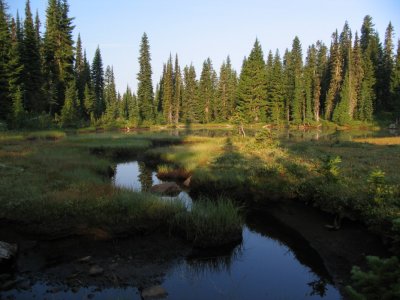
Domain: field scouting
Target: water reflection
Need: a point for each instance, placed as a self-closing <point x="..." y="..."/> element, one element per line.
<point x="261" y="268"/>
<point x="138" y="177"/>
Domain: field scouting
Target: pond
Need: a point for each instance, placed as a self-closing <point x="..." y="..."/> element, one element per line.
<point x="260" y="268"/>
<point x="263" y="266"/>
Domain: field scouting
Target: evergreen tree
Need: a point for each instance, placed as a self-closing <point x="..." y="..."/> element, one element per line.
<point x="343" y="111"/>
<point x="145" y="85"/>
<point x="89" y="103"/>
<point x="287" y="84"/>
<point x="79" y="69"/>
<point x="387" y="68"/>
<point x="310" y="82"/>
<point x="357" y="76"/>
<point x="207" y="90"/>
<point x="69" y="112"/>
<point x="177" y="95"/>
<point x="32" y="73"/>
<point x="323" y="77"/>
<point x="395" y="84"/>
<point x="158" y="101"/>
<point x="298" y="108"/>
<point x="190" y="95"/>
<point x="372" y="55"/>
<point x="134" y="116"/>
<point x="252" y="86"/>
<point x="124" y="104"/>
<point x="275" y="101"/>
<point x="97" y="75"/>
<point x="110" y="95"/>
<point x="367" y="93"/>
<point x="223" y="92"/>
<point x="335" y="76"/>
<point x="15" y="62"/>
<point x="168" y="92"/>
<point x="37" y="29"/>
<point x="18" y="111"/>
<point x="5" y="44"/>
<point x="58" y="52"/>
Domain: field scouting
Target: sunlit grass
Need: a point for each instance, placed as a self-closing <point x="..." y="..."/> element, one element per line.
<point x="395" y="140"/>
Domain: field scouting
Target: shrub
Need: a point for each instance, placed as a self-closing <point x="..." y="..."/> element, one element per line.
<point x="380" y="281"/>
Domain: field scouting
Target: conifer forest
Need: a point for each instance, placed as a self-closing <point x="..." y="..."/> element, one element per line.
<point x="47" y="79"/>
<point x="274" y="179"/>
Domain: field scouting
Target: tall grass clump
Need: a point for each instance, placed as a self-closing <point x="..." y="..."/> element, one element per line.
<point x="210" y="223"/>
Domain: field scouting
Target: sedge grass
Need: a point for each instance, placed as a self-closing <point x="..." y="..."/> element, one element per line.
<point x="210" y="223"/>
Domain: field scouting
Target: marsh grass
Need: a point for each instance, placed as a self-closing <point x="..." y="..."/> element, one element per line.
<point x="394" y="140"/>
<point x="165" y="172"/>
<point x="210" y="223"/>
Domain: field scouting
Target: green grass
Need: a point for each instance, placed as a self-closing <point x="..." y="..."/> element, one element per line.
<point x="210" y="223"/>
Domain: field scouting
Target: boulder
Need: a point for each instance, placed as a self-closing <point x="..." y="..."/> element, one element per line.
<point x="154" y="292"/>
<point x="7" y="252"/>
<point x="167" y="189"/>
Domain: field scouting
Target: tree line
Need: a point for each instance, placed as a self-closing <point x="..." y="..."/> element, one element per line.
<point x="46" y="78"/>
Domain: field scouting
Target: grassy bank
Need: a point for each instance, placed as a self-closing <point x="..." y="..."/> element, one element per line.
<point x="62" y="185"/>
<point x="352" y="179"/>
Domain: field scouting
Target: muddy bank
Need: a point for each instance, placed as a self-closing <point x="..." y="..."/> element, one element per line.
<point x="339" y="250"/>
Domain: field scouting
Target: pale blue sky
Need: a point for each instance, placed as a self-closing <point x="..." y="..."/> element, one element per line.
<point x="209" y="28"/>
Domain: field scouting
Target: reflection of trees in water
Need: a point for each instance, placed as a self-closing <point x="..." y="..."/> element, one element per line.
<point x="319" y="287"/>
<point x="145" y="177"/>
<point x="203" y="262"/>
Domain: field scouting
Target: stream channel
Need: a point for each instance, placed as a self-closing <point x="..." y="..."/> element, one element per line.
<point x="263" y="266"/>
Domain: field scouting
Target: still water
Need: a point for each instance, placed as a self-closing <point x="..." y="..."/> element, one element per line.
<point x="263" y="266"/>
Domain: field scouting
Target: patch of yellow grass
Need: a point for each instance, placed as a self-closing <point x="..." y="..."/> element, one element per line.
<point x="394" y="140"/>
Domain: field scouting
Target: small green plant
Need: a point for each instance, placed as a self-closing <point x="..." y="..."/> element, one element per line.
<point x="381" y="192"/>
<point x="331" y="168"/>
<point x="381" y="280"/>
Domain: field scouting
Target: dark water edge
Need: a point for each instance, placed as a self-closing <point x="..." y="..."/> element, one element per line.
<point x="260" y="268"/>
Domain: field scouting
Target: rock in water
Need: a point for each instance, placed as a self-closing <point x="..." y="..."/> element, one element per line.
<point x="95" y="270"/>
<point x="167" y="188"/>
<point x="154" y="292"/>
<point x="7" y="251"/>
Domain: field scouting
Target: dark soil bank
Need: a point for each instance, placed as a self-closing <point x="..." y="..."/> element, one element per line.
<point x="339" y="250"/>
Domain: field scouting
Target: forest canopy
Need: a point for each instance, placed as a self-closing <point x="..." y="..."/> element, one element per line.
<point x="46" y="80"/>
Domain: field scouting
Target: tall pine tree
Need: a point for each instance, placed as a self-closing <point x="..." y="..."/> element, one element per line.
<point x="145" y="95"/>
<point x="252" y="86"/>
<point x="190" y="95"/>
<point x="5" y="44"/>
<point x="387" y="69"/>
<point x="395" y="84"/>
<point x="97" y="75"/>
<point x="168" y="92"/>
<point x="32" y="72"/>
<point x="177" y="95"/>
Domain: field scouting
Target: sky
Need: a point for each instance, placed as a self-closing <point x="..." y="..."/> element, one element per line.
<point x="199" y="29"/>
